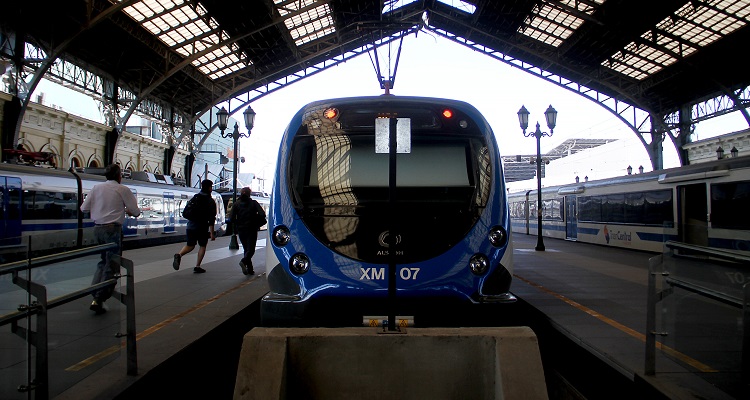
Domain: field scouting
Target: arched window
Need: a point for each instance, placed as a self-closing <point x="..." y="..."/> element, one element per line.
<point x="75" y="162"/>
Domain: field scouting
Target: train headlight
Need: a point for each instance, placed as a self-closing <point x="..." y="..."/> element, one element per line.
<point x="281" y="236"/>
<point x="498" y="236"/>
<point x="299" y="264"/>
<point x="478" y="264"/>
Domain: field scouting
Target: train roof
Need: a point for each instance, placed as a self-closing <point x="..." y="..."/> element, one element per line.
<point x="89" y="176"/>
<point x="677" y="174"/>
<point x="387" y="98"/>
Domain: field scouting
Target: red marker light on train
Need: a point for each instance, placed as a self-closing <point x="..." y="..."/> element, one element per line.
<point x="331" y="113"/>
<point x="447" y="113"/>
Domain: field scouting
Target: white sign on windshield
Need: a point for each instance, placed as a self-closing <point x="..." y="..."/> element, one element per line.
<point x="382" y="135"/>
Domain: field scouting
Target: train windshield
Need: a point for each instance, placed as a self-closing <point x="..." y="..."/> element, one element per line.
<point x="340" y="187"/>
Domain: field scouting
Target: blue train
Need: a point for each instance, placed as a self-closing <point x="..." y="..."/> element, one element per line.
<point x="384" y="205"/>
<point x="41" y="205"/>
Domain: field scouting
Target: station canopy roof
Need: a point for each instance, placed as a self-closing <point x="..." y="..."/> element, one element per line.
<point x="188" y="55"/>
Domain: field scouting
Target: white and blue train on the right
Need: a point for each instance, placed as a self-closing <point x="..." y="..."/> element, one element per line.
<point x="704" y="204"/>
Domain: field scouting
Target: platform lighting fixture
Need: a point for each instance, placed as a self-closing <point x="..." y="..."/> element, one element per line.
<point x="719" y="153"/>
<point x="523" y="118"/>
<point x="630" y="170"/>
<point x="640" y="169"/>
<point x="223" y="117"/>
<point x="734" y="152"/>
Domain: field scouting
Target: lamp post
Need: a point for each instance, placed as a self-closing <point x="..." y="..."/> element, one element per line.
<point x="223" y="117"/>
<point x="523" y="119"/>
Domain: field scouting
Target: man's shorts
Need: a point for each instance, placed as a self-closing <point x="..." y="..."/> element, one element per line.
<point x="197" y="236"/>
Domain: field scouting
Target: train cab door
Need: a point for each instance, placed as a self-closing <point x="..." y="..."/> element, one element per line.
<point x="693" y="214"/>
<point x="130" y="226"/>
<point x="169" y="212"/>
<point x="571" y="218"/>
<point x="10" y="226"/>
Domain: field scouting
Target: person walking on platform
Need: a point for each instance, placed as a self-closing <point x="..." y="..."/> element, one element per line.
<point x="247" y="217"/>
<point x="108" y="202"/>
<point x="201" y="218"/>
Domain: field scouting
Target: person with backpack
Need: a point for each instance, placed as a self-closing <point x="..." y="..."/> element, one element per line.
<point x="201" y="216"/>
<point x="247" y="216"/>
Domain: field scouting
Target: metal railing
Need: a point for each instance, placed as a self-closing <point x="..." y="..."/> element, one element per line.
<point x="40" y="307"/>
<point x="708" y="273"/>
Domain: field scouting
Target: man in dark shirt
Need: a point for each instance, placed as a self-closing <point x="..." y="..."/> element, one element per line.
<point x="199" y="230"/>
<point x="247" y="216"/>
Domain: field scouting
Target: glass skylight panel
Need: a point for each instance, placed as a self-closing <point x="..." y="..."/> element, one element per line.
<point x="460" y="5"/>
<point x="552" y="25"/>
<point x="188" y="29"/>
<point x="624" y="64"/>
<point x="393" y="5"/>
<point x="305" y="21"/>
<point x="682" y="34"/>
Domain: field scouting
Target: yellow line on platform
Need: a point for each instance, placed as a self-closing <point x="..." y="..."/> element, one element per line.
<point x="114" y="349"/>
<point x="666" y="349"/>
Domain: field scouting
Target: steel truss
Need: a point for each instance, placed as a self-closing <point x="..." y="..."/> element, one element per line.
<point x="635" y="118"/>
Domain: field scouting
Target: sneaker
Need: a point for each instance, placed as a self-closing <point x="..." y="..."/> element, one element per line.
<point x="198" y="270"/>
<point x="244" y="268"/>
<point x="176" y="262"/>
<point x="97" y="308"/>
<point x="250" y="270"/>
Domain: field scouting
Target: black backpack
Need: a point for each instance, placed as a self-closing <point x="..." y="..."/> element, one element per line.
<point x="192" y="211"/>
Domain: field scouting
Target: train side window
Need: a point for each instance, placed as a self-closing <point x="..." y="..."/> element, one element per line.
<point x="658" y="208"/>
<point x="590" y="208"/>
<point x="729" y="205"/>
<point x="14" y="203"/>
<point x="635" y="208"/>
<point x="552" y="209"/>
<point x="49" y="205"/>
<point x="613" y="208"/>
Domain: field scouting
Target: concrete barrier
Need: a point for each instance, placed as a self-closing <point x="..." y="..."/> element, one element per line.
<point x="365" y="363"/>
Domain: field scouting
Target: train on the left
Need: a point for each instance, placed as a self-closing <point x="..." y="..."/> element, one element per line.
<point x="43" y="204"/>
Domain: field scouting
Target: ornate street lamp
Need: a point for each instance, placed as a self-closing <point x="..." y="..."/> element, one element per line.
<point x="223" y="117"/>
<point x="523" y="119"/>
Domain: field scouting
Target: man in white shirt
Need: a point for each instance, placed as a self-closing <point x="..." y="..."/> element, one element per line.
<point x="108" y="202"/>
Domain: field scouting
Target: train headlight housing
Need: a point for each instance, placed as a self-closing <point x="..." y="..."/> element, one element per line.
<point x="498" y="236"/>
<point x="299" y="264"/>
<point x="281" y="236"/>
<point x="478" y="264"/>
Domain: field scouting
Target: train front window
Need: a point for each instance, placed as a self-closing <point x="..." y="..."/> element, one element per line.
<point x="340" y="187"/>
<point x="343" y="170"/>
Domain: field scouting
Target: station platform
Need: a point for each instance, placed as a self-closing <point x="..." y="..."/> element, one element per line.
<point x="595" y="296"/>
<point x="174" y="311"/>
